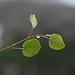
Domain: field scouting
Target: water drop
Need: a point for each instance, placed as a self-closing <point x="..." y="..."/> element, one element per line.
<point x="38" y="36"/>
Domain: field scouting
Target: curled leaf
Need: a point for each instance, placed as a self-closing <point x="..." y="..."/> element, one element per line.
<point x="31" y="47"/>
<point x="33" y="20"/>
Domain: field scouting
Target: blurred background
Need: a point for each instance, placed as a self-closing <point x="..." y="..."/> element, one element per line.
<point x="54" y="16"/>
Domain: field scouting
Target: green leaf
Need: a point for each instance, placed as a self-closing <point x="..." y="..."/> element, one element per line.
<point x="33" y="20"/>
<point x="31" y="47"/>
<point x="56" y="42"/>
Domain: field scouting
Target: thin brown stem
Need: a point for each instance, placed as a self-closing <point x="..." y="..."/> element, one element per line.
<point x="13" y="44"/>
<point x="42" y="35"/>
<point x="30" y="32"/>
<point x="29" y="37"/>
<point x="17" y="48"/>
<point x="16" y="43"/>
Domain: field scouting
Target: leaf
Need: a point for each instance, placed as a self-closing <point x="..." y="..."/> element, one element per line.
<point x="56" y="42"/>
<point x="31" y="47"/>
<point x="33" y="20"/>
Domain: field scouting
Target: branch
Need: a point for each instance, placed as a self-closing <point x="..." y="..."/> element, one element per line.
<point x="29" y="37"/>
<point x="13" y="44"/>
<point x="30" y="32"/>
<point x="17" y="48"/>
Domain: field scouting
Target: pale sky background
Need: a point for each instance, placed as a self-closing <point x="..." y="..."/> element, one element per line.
<point x="70" y="3"/>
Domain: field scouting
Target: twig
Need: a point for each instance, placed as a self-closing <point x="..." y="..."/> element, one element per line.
<point x="16" y="48"/>
<point x="13" y="44"/>
<point x="29" y="37"/>
<point x="30" y="32"/>
<point x="42" y="35"/>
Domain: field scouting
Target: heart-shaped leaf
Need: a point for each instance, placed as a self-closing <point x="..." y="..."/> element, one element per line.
<point x="56" y="42"/>
<point x="31" y="47"/>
